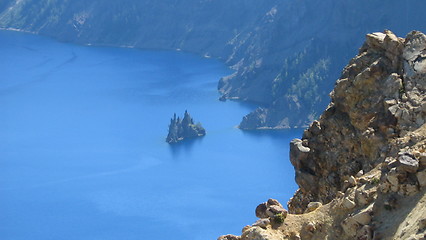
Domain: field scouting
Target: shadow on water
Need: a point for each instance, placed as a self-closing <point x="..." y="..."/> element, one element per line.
<point x="247" y="105"/>
<point x="276" y="135"/>
<point x="184" y="147"/>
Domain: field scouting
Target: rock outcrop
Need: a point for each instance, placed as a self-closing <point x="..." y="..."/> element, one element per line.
<point x="181" y="129"/>
<point x="379" y="97"/>
<point x="361" y="166"/>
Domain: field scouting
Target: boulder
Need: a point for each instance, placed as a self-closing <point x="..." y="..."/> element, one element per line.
<point x="421" y="178"/>
<point x="229" y="237"/>
<point x="310" y="227"/>
<point x="298" y="153"/>
<point x="392" y="177"/>
<point x="365" y="233"/>
<point x="348" y="203"/>
<point x="274" y="210"/>
<point x="272" y="202"/>
<point x="270" y="210"/>
<point x="261" y="210"/>
<point x="312" y="206"/>
<point x="375" y="40"/>
<point x="352" y="224"/>
<point x="263" y="223"/>
<point x="422" y="159"/>
<point x="408" y="163"/>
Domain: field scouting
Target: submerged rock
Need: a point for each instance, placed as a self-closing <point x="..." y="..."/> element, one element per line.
<point x="183" y="129"/>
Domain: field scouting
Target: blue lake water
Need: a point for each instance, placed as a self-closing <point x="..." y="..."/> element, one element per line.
<point x="83" y="152"/>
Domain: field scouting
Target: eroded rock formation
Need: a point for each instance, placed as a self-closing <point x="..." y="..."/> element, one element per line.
<point x="361" y="166"/>
<point x="184" y="129"/>
<point x="380" y="96"/>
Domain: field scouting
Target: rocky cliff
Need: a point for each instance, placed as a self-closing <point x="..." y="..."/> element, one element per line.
<point x="181" y="129"/>
<point x="361" y="167"/>
<point x="285" y="54"/>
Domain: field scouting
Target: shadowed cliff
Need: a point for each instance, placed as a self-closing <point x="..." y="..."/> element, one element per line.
<point x="285" y="53"/>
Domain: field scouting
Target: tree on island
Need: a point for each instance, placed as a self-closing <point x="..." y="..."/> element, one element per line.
<point x="183" y="129"/>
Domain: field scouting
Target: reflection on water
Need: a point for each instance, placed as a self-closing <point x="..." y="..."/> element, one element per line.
<point x="184" y="147"/>
<point x="277" y="135"/>
<point x="83" y="152"/>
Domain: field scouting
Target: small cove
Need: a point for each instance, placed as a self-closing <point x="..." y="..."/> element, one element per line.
<point x="83" y="152"/>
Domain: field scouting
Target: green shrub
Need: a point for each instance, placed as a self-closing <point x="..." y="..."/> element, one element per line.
<point x="388" y="207"/>
<point x="279" y="218"/>
<point x="374" y="181"/>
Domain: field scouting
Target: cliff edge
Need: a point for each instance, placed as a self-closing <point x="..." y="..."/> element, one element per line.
<point x="361" y="168"/>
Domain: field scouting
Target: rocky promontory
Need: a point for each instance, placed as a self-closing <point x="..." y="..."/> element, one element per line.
<point x="361" y="167"/>
<point x="180" y="129"/>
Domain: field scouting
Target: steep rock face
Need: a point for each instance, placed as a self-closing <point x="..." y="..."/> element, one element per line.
<point x="310" y="57"/>
<point x="285" y="54"/>
<point x="361" y="167"/>
<point x="180" y="130"/>
<point x="379" y="96"/>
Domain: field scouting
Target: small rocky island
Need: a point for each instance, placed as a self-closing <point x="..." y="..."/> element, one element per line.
<point x="183" y="129"/>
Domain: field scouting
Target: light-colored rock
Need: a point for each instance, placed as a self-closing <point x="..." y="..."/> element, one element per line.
<point x="422" y="159"/>
<point x="422" y="224"/>
<point x="349" y="227"/>
<point x="410" y="189"/>
<point x="274" y="210"/>
<point x="271" y="202"/>
<point x="312" y="206"/>
<point x="352" y="224"/>
<point x="363" y="218"/>
<point x="394" y="109"/>
<point x="395" y="188"/>
<point x="310" y="227"/>
<point x="245" y="228"/>
<point x="296" y="237"/>
<point x="352" y="181"/>
<point x="393" y="84"/>
<point x="375" y="40"/>
<point x="414" y="46"/>
<point x="408" y="163"/>
<point x="365" y="233"/>
<point x="257" y="233"/>
<point x="263" y="223"/>
<point x="385" y="187"/>
<point x="229" y="237"/>
<point x="315" y="127"/>
<point x="421" y="178"/>
<point x="392" y="177"/>
<point x="392" y="44"/>
<point x="348" y="203"/>
<point x="360" y="173"/>
<point x="363" y="196"/>
<point x="298" y="152"/>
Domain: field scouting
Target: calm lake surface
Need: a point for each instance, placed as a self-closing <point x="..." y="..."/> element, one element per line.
<point x="83" y="152"/>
